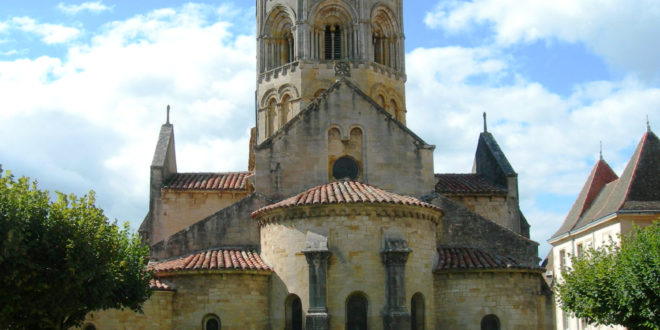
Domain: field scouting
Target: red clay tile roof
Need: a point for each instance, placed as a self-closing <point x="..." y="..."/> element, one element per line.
<point x="208" y="181"/>
<point x="465" y="258"/>
<point x="465" y="184"/>
<point x="214" y="260"/>
<point x="345" y="192"/>
<point x="160" y="285"/>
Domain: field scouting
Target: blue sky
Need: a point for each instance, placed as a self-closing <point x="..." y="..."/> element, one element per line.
<point x="84" y="87"/>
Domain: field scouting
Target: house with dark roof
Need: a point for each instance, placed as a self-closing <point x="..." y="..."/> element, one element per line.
<point x="607" y="206"/>
<point x="339" y="220"/>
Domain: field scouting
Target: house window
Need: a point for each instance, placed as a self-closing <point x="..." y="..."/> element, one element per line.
<point x="417" y="312"/>
<point x="562" y="259"/>
<point x="490" y="322"/>
<point x="356" y="312"/>
<point x="211" y="322"/>
<point x="332" y="42"/>
<point x="580" y="250"/>
<point x="293" y="310"/>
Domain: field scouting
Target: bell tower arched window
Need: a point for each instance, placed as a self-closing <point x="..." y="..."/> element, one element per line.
<point x="332" y="42"/>
<point x="277" y="45"/>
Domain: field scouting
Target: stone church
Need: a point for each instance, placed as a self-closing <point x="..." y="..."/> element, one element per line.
<point x="339" y="221"/>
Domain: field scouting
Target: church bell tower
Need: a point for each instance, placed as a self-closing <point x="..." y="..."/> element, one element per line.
<point x="301" y="44"/>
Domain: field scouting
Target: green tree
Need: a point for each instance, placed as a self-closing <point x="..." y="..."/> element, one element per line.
<point x="617" y="285"/>
<point x="60" y="260"/>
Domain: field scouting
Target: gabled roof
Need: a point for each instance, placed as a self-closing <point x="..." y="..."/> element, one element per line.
<point x="215" y="259"/>
<point x="345" y="192"/>
<point x="638" y="188"/>
<point x="601" y="175"/>
<point x="469" y="258"/>
<point x="465" y="184"/>
<point x="333" y="89"/>
<point x="208" y="181"/>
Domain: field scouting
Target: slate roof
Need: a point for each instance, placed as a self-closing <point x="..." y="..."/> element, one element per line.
<point x="160" y="285"/>
<point x="465" y="184"/>
<point x="636" y="190"/>
<point x="217" y="259"/>
<point x="468" y="258"/>
<point x="209" y="181"/>
<point x="345" y="192"/>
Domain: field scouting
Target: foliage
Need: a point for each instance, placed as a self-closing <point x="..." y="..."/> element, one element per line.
<point x="60" y="260"/>
<point x="617" y="285"/>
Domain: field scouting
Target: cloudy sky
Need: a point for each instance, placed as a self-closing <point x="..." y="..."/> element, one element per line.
<point x="84" y="87"/>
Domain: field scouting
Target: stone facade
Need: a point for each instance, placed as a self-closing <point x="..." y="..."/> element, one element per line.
<point x="518" y="299"/>
<point x="339" y="222"/>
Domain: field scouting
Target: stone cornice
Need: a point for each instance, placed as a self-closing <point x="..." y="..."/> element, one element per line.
<point x="355" y="209"/>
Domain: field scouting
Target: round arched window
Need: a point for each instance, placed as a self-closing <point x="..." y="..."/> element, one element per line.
<point x="345" y="167"/>
<point x="211" y="322"/>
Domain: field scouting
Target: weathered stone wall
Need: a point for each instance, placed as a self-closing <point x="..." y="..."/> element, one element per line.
<point x="231" y="226"/>
<point x="157" y="315"/>
<point x="355" y="240"/>
<point x="516" y="298"/>
<point x="239" y="300"/>
<point x="462" y="227"/>
<point x="490" y="207"/>
<point x="297" y="157"/>
<point x="176" y="210"/>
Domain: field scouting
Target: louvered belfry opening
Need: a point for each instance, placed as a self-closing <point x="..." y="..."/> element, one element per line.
<point x="332" y="42"/>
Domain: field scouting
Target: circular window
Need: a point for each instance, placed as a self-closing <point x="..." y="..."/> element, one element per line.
<point x="345" y="167"/>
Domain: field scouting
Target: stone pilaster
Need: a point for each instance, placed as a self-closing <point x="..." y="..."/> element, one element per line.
<point x="317" y="255"/>
<point x="395" y="255"/>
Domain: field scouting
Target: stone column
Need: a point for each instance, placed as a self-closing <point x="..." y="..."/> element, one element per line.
<point x="395" y="255"/>
<point x="317" y="255"/>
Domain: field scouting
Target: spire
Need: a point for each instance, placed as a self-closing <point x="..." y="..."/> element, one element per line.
<point x="648" y="124"/>
<point x="168" y="115"/>
<point x="485" y="123"/>
<point x="601" y="150"/>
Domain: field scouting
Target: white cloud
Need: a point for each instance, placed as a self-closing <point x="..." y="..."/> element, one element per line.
<point x="621" y="31"/>
<point x="93" y="7"/>
<point x="50" y="33"/>
<point x="91" y="119"/>
<point x="551" y="141"/>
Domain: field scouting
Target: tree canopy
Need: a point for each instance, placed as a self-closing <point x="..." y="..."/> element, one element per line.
<point x="617" y="284"/>
<point x="61" y="259"/>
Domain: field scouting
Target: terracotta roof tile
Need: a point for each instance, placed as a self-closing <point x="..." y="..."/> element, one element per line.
<point x="160" y="285"/>
<point x="217" y="259"/>
<point x="345" y="192"/>
<point x="466" y="258"/>
<point x="209" y="181"/>
<point x="465" y="184"/>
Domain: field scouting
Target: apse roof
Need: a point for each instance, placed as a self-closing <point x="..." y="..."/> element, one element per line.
<point x="345" y="192"/>
<point x="215" y="259"/>
<point x="469" y="258"/>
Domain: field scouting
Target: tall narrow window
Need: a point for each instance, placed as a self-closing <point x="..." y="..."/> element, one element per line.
<point x="293" y="310"/>
<point x="580" y="250"/>
<point x="356" y="312"/>
<point x="417" y="312"/>
<point x="562" y="259"/>
<point x="490" y="322"/>
<point x="332" y="42"/>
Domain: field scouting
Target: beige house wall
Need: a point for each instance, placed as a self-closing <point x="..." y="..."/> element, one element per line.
<point x="178" y="210"/>
<point x="355" y="265"/>
<point x="463" y="299"/>
<point x="593" y="236"/>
